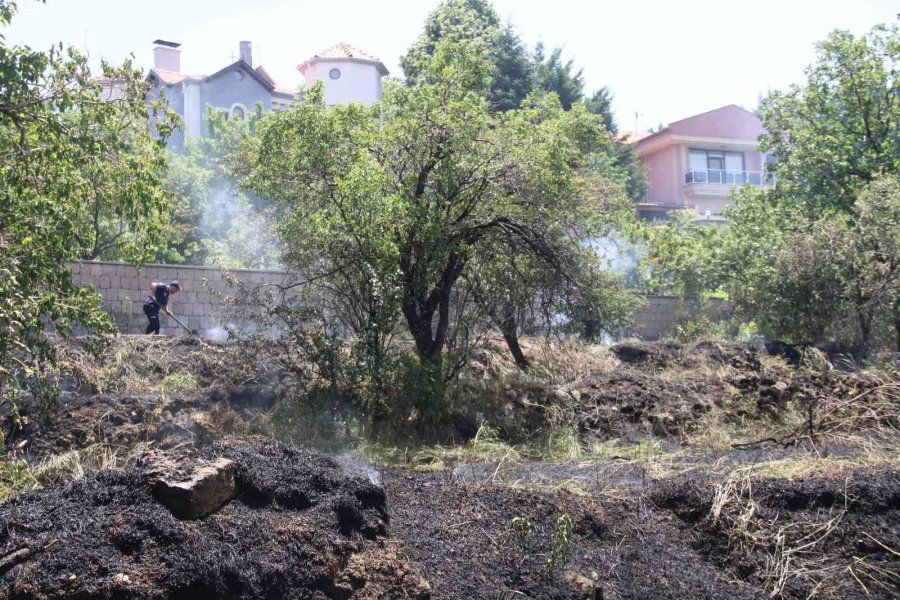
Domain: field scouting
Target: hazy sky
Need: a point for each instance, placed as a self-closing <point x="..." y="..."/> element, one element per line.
<point x="663" y="59"/>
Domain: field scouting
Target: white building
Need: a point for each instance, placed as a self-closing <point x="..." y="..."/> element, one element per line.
<point x="349" y="74"/>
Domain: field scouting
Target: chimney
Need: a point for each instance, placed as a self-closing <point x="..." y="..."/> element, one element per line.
<point x="247" y="53"/>
<point x="166" y="55"/>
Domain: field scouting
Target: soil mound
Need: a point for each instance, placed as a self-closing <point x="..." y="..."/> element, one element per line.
<point x="657" y="354"/>
<point x="669" y="354"/>
<point x="299" y="526"/>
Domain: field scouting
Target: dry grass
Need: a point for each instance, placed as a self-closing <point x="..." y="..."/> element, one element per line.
<point x="135" y="364"/>
<point x="794" y="551"/>
<point x="554" y="364"/>
<point x="17" y="475"/>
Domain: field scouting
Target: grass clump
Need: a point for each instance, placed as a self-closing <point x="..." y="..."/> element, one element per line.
<point x="17" y="475"/>
<point x="178" y="382"/>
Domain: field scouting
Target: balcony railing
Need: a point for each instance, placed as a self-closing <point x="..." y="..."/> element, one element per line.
<point x="727" y="177"/>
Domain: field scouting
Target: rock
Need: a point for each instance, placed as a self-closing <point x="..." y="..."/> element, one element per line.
<point x="587" y="589"/>
<point x="207" y="488"/>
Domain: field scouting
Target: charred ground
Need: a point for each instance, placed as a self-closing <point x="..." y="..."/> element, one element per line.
<point x="647" y="471"/>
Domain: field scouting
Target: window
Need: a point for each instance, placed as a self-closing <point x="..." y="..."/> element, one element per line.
<point x="238" y="74"/>
<point x="715" y="166"/>
<point x="238" y="111"/>
<point x="334" y="73"/>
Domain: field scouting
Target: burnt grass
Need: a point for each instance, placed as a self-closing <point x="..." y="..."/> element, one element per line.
<point x="308" y="525"/>
<point x="300" y="527"/>
<point x="849" y="526"/>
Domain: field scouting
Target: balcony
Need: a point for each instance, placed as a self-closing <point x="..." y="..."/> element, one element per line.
<point x="714" y="176"/>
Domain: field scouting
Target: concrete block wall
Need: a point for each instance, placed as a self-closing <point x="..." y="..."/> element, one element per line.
<point x="661" y="314"/>
<point x="198" y="305"/>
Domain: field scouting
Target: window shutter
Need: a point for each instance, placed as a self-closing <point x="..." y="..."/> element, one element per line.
<point x="734" y="162"/>
<point x="697" y="160"/>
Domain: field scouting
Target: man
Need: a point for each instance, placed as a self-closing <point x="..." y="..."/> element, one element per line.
<point x="159" y="298"/>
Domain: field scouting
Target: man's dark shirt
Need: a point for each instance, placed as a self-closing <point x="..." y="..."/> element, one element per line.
<point x="161" y="295"/>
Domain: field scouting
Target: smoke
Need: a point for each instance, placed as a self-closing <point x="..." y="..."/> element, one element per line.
<point x="619" y="254"/>
<point x="237" y="234"/>
<point x="354" y="465"/>
<point x="216" y="334"/>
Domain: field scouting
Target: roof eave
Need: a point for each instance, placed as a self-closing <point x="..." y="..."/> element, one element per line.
<point x="380" y="65"/>
<point x="241" y="63"/>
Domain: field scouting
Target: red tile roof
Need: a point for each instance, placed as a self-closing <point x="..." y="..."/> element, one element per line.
<point x="173" y="77"/>
<point x="345" y="50"/>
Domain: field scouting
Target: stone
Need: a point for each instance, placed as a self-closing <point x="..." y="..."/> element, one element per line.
<point x="587" y="589"/>
<point x="205" y="490"/>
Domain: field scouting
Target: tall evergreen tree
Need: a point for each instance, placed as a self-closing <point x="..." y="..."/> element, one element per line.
<point x="601" y="104"/>
<point x="477" y="22"/>
<point x="551" y="74"/>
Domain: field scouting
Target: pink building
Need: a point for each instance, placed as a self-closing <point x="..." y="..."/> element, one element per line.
<point x="698" y="161"/>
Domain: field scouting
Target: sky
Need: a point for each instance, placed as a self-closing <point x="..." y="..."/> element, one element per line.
<point x="663" y="60"/>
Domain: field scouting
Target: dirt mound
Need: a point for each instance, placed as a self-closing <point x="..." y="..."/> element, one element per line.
<point x="658" y="354"/>
<point x="668" y="354"/>
<point x="300" y="526"/>
<point x="122" y="420"/>
<point x="673" y="391"/>
<point x="629" y="403"/>
<point x="794" y="539"/>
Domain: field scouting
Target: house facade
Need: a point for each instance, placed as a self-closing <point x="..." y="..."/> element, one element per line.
<point x="697" y="162"/>
<point x="349" y="75"/>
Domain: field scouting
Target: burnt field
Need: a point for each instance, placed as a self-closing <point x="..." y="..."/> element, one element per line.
<point x="172" y="470"/>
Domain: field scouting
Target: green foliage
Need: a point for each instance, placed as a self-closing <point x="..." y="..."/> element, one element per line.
<point x="476" y="22"/>
<point x="515" y="74"/>
<point x="812" y="258"/>
<point x="836" y="277"/>
<point x="622" y="163"/>
<point x="560" y="544"/>
<point x="80" y="177"/>
<point x="682" y="257"/>
<point x="551" y="74"/>
<point x="601" y="104"/>
<point x="815" y="257"/>
<point x="387" y="208"/>
<point x="522" y="527"/>
<point x="837" y="132"/>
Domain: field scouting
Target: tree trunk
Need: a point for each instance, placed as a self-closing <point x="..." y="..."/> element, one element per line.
<point x="419" y="312"/>
<point x="897" y="324"/>
<point x="510" y="330"/>
<point x="865" y="334"/>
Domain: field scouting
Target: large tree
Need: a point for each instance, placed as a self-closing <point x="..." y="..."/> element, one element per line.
<point x="67" y="146"/>
<point x="396" y="203"/>
<point x="476" y="22"/>
<point x="838" y="131"/>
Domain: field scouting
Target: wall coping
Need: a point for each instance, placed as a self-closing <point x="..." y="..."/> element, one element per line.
<point x="167" y="266"/>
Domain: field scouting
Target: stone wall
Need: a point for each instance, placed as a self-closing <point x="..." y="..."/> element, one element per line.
<point x="197" y="305"/>
<point x="661" y="314"/>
